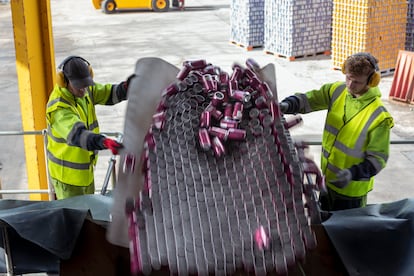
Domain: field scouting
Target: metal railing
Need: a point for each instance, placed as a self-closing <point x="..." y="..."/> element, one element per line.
<point x="111" y="171"/>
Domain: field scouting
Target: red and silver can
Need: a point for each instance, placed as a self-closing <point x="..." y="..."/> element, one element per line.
<point x="274" y="110"/>
<point x="255" y="83"/>
<point x="254" y="113"/>
<point x="293" y="122"/>
<point x="162" y="105"/>
<point x="249" y="73"/>
<point x="209" y="83"/>
<point x="236" y="134"/>
<point x="159" y="120"/>
<point x="228" y="124"/>
<point x="205" y="119"/>
<point x="265" y="91"/>
<point x="261" y="102"/>
<point x="218" y="98"/>
<point x="185" y="70"/>
<point x="237" y="113"/>
<point x="240" y="95"/>
<point x="237" y="73"/>
<point x="252" y="64"/>
<point x="218" y="147"/>
<point x="228" y="111"/>
<point x="217" y="114"/>
<point x="204" y="139"/>
<point x="196" y="64"/>
<point x="129" y="163"/>
<point x="211" y="69"/>
<point x="233" y="86"/>
<point x="170" y="90"/>
<point x="224" y="78"/>
<point x="219" y="132"/>
<point x="149" y="141"/>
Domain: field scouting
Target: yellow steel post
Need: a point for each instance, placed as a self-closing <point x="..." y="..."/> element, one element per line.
<point x="32" y="25"/>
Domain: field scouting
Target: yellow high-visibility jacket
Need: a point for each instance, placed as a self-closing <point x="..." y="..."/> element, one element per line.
<point x="356" y="129"/>
<point x="65" y="114"/>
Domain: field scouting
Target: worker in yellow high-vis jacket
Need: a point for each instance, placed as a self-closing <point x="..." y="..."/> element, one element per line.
<point x="73" y="138"/>
<point x="356" y="137"/>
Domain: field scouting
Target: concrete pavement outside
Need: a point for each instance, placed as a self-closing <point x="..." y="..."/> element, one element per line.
<point x="113" y="44"/>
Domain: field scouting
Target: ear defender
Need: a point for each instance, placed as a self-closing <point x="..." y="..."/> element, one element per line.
<point x="375" y="77"/>
<point x="61" y="80"/>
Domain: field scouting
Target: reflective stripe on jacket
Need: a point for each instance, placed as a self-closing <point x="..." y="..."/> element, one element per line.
<point x="345" y="141"/>
<point x="65" y="114"/>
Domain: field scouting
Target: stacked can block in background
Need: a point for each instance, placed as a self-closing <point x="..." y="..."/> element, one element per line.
<point x="298" y="28"/>
<point x="377" y="27"/>
<point x="247" y="23"/>
<point x="409" y="40"/>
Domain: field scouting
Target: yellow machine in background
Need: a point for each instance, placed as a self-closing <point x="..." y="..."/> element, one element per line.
<point x="110" y="6"/>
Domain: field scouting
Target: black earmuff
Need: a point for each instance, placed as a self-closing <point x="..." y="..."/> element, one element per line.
<point x="375" y="77"/>
<point x="61" y="80"/>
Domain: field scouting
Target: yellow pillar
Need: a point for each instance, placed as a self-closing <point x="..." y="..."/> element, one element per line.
<point x="35" y="65"/>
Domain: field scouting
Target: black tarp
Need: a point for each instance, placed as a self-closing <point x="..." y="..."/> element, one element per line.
<point x="375" y="240"/>
<point x="41" y="233"/>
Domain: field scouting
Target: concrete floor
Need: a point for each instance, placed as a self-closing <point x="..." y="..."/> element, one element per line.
<point x="113" y="44"/>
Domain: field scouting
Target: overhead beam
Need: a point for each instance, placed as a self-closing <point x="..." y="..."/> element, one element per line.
<point x="32" y="27"/>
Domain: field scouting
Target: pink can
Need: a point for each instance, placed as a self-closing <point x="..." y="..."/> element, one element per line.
<point x="236" y="134"/>
<point x="218" y="147"/>
<point x="204" y="139"/>
<point x="237" y="112"/>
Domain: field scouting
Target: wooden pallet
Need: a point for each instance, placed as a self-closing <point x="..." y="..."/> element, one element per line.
<point x="247" y="47"/>
<point x="292" y="58"/>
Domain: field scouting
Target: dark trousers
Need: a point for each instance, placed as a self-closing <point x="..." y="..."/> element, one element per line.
<point x="332" y="201"/>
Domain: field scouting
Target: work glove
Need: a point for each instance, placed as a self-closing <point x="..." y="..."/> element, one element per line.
<point x="126" y="83"/>
<point x="289" y="105"/>
<point x="343" y="177"/>
<point x="112" y="145"/>
<point x="284" y="107"/>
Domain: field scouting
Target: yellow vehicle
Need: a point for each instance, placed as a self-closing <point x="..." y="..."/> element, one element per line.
<point x="110" y="6"/>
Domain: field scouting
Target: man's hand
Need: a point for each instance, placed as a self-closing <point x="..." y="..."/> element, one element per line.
<point x="284" y="107"/>
<point x="343" y="177"/>
<point x="112" y="145"/>
<point x="128" y="81"/>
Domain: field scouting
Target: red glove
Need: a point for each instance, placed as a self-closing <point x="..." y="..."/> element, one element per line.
<point x="112" y="145"/>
